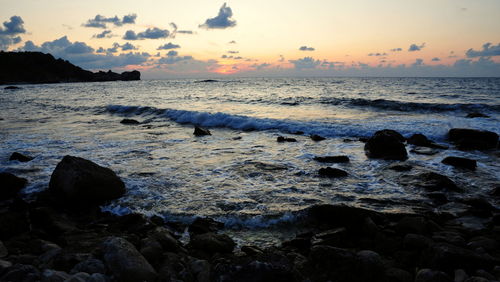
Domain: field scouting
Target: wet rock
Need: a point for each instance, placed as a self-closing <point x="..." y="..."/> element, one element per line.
<point x="50" y="275"/>
<point x="332" y="172"/>
<point x="339" y="215"/>
<point x="460" y="275"/>
<point x="167" y="241"/>
<point x="78" y="182"/>
<point x="424" y="151"/>
<point x="487" y="244"/>
<point x="414" y="224"/>
<point x="251" y="250"/>
<point x="422" y="141"/>
<point x="19" y="157"/>
<point x="433" y="181"/>
<point x="477" y="279"/>
<point x="198" y="131"/>
<point x="129" y="121"/>
<point x="212" y="243"/>
<point x="472" y="139"/>
<point x="484" y="274"/>
<point x="285" y="139"/>
<point x="416" y="242"/>
<point x="329" y="262"/>
<point x="429" y="275"/>
<point x="52" y="222"/>
<point x="4" y="265"/>
<point x="125" y="262"/>
<point x="332" y="159"/>
<point x="332" y="237"/>
<point x="21" y="272"/>
<point x="316" y="138"/>
<point x="12" y="88"/>
<point x="13" y="223"/>
<point x="370" y="265"/>
<point x="3" y="250"/>
<point x="439" y="198"/>
<point x="460" y="162"/>
<point x="449" y="257"/>
<point x="205" y="225"/>
<point x="400" y="167"/>
<point x="450" y="237"/>
<point x="90" y="266"/>
<point x="85" y="277"/>
<point x="10" y="185"/>
<point x="398" y="275"/>
<point x="151" y="250"/>
<point x="200" y="269"/>
<point x="386" y="144"/>
<point x="476" y="115"/>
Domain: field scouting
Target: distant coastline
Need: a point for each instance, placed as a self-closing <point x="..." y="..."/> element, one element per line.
<point x="37" y="67"/>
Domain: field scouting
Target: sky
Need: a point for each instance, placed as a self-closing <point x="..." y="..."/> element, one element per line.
<point x="208" y="38"/>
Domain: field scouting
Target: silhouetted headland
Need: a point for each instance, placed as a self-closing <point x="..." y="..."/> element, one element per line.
<point x="37" y="67"/>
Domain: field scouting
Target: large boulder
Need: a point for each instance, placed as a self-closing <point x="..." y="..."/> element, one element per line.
<point x="212" y="243"/>
<point x="80" y="182"/>
<point x="10" y="185"/>
<point x="460" y="162"/>
<point x="472" y="139"/>
<point x="125" y="262"/>
<point x="386" y="144"/>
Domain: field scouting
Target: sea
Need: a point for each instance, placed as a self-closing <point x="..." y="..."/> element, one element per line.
<point x="240" y="175"/>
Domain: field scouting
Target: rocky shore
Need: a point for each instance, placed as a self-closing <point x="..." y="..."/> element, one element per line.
<point x="61" y="234"/>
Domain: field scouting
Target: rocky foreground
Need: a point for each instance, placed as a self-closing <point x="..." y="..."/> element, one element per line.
<point x="62" y="235"/>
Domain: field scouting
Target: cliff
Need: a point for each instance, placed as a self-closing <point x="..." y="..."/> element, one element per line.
<point x="37" y="67"/>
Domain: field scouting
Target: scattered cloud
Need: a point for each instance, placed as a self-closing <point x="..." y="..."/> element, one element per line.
<point x="150" y="33"/>
<point x="127" y="46"/>
<point x="100" y="21"/>
<point x="222" y="20"/>
<point x="233" y="52"/>
<point x="185" y="31"/>
<point x="418" y="62"/>
<point x="305" y="63"/>
<point x="80" y="54"/>
<point x="104" y="34"/>
<point x="305" y="48"/>
<point x="168" y="46"/>
<point x="415" y="47"/>
<point x="282" y="59"/>
<point x="173" y="57"/>
<point x="9" y="33"/>
<point x="232" y="42"/>
<point x="396" y="50"/>
<point x="436" y="59"/>
<point x="488" y="50"/>
<point x="175" y="30"/>
<point x="377" y="54"/>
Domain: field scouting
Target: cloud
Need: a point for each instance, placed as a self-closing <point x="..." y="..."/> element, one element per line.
<point x="127" y="46"/>
<point x="222" y="20"/>
<point x="436" y="59"/>
<point x="260" y="66"/>
<point x="488" y="51"/>
<point x="80" y="54"/>
<point x="185" y="31"/>
<point x="305" y="48"/>
<point x="104" y="34"/>
<point x="232" y="42"/>
<point x="305" y="63"/>
<point x="233" y="52"/>
<point x="175" y="31"/>
<point x="415" y="47"/>
<point x="173" y="58"/>
<point x="9" y="34"/>
<point x="101" y="21"/>
<point x="377" y="54"/>
<point x="168" y="46"/>
<point x="282" y="59"/>
<point x="396" y="50"/>
<point x="418" y="62"/>
<point x="150" y="33"/>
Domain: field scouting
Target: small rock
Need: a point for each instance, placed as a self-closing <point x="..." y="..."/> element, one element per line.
<point x="125" y="262"/>
<point x="416" y="242"/>
<point x="460" y="275"/>
<point x="400" y="167"/>
<point x="204" y="225"/>
<point x="19" y="157"/>
<point x="129" y="121"/>
<point x="386" y="144"/>
<point x="332" y="159"/>
<point x="476" y="115"/>
<point x="332" y="172"/>
<point x="10" y="185"/>
<point x="3" y="250"/>
<point x="484" y="274"/>
<point x="315" y="137"/>
<point x="460" y="162"/>
<point x="212" y="243"/>
<point x="251" y="250"/>
<point x="370" y="265"/>
<point x="21" y="272"/>
<point x="422" y="141"/>
<point x="449" y="257"/>
<point x="167" y="241"/>
<point x="50" y="275"/>
<point x="472" y="139"/>
<point x="12" y="88"/>
<point x="398" y="275"/>
<point x="198" y="131"/>
<point x="90" y="266"/>
<point x="85" y="277"/>
<point x="433" y="181"/>
<point x="429" y="275"/>
<point x="151" y="250"/>
<point x="285" y="139"/>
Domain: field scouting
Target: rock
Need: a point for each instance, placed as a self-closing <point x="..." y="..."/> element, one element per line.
<point x="89" y="266"/>
<point x="332" y="159"/>
<point x="79" y="182"/>
<point x="129" y="121"/>
<point x="424" y="151"/>
<point x="398" y="275"/>
<point x="413" y="224"/>
<point x="400" y="167"/>
<point x="334" y="262"/>
<point x="449" y="257"/>
<point x="50" y="275"/>
<point x="370" y="265"/>
<point x="316" y="138"/>
<point x="198" y="131"/>
<point x="204" y="225"/>
<point x="488" y="244"/>
<point x="477" y="279"/>
<point x="429" y="275"/>
<point x="332" y="237"/>
<point x="386" y="144"/>
<point x="151" y="250"/>
<point x="285" y="139"/>
<point x="332" y="172"/>
<point x="13" y="223"/>
<point x="19" y="157"/>
<point x="125" y="262"/>
<point x="3" y="250"/>
<point x="433" y="181"/>
<point x="21" y="272"/>
<point x="422" y="141"/>
<point x="200" y="269"/>
<point x="85" y="277"/>
<point x="4" y="265"/>
<point x="167" y="241"/>
<point x="476" y="115"/>
<point x="484" y="274"/>
<point x="460" y="275"/>
<point x="460" y="162"/>
<point x="251" y="250"/>
<point x="450" y="237"/>
<point x="12" y="88"/>
<point x="416" y="242"/>
<point x="472" y="139"/>
<point x="212" y="243"/>
<point x="10" y="185"/>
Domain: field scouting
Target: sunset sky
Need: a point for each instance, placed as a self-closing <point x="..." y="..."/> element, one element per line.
<point x="204" y="38"/>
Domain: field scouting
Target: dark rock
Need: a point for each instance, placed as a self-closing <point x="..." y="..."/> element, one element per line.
<point x="460" y="275"/>
<point x="332" y="159"/>
<point x="3" y="251"/>
<point x="329" y="262"/>
<point x="125" y="262"/>
<point x="413" y="224"/>
<point x="471" y="139"/>
<point x="332" y="172"/>
<point x="340" y="215"/>
<point x="386" y="144"/>
<point x="251" y="250"/>
<point x="85" y="277"/>
<point x="151" y="250"/>
<point x="50" y="275"/>
<point x="13" y="223"/>
<point x="297" y="132"/>
<point x="12" y="88"/>
<point x="479" y="206"/>
<point x="439" y="198"/>
<point x="21" y="272"/>
<point x="19" y="157"/>
<point x="80" y="182"/>
<point x="206" y="80"/>
<point x="166" y="240"/>
<point x="285" y="139"/>
<point x="400" y="167"/>
<point x="198" y="131"/>
<point x="370" y="265"/>
<point x="416" y="242"/>
<point x="422" y="141"/>
<point x="476" y="115"/>
<point x="433" y="181"/>
<point x="449" y="257"/>
<point x="460" y="162"/>
<point x="212" y="243"/>
<point x="52" y="222"/>
<point x="429" y="275"/>
<point x="398" y="275"/>
<point x="450" y="237"/>
<point x="317" y="138"/>
<point x="129" y="121"/>
<point x="90" y="266"/>
<point x="332" y="237"/>
<point x="477" y="279"/>
<point x="10" y="185"/>
<point x="204" y="225"/>
<point x="484" y="274"/>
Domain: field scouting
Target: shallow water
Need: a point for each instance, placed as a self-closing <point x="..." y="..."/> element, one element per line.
<point x="250" y="181"/>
